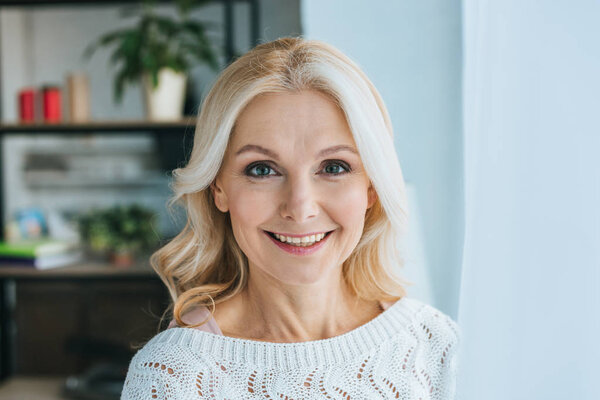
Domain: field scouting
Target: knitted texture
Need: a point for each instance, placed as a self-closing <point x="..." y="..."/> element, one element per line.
<point x="406" y="352"/>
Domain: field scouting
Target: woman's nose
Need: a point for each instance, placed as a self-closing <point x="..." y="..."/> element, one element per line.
<point x="300" y="200"/>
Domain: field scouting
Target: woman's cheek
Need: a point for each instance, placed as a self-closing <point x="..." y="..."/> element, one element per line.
<point x="350" y="200"/>
<point x="249" y="204"/>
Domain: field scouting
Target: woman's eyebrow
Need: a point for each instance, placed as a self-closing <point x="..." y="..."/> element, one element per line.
<point x="272" y="154"/>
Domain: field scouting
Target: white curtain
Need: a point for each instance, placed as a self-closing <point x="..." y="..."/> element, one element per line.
<point x="530" y="289"/>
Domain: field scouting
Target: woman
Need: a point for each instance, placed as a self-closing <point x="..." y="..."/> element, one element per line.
<point x="284" y="278"/>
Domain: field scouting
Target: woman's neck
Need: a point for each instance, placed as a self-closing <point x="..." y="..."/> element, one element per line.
<point x="286" y="314"/>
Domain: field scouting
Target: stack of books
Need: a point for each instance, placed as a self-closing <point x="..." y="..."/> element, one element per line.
<point x="40" y="254"/>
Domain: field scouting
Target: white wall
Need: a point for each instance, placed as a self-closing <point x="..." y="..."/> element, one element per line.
<point x="530" y="294"/>
<point x="411" y="50"/>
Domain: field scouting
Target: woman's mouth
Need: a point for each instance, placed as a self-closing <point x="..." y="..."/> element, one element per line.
<point x="299" y="245"/>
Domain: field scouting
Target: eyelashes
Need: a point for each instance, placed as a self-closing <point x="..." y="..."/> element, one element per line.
<point x="263" y="169"/>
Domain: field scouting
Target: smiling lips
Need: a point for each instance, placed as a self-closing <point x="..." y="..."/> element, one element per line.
<point x="299" y="245"/>
<point x="302" y="241"/>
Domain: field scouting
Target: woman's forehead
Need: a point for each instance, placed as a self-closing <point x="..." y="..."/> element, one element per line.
<point x="306" y="116"/>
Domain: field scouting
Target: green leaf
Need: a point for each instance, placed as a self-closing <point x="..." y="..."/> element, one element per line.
<point x="155" y="78"/>
<point x="119" y="85"/>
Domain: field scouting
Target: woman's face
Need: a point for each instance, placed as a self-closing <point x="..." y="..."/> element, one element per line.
<point x="292" y="169"/>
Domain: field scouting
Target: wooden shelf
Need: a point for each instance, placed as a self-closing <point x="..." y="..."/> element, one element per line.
<point x="187" y="124"/>
<point x="88" y="269"/>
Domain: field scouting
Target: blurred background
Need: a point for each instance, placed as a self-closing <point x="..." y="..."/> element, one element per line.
<point x="494" y="107"/>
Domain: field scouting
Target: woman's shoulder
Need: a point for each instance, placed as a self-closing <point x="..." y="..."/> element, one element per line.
<point x="430" y="323"/>
<point x="197" y="315"/>
<point x="160" y="353"/>
<point x="433" y="339"/>
<point x="427" y="311"/>
<point x="161" y="369"/>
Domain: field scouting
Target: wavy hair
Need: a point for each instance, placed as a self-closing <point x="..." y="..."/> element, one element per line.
<point x="203" y="265"/>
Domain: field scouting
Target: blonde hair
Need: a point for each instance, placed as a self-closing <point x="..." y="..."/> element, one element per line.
<point x="203" y="264"/>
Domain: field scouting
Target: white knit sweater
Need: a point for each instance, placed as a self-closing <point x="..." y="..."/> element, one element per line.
<point x="406" y="352"/>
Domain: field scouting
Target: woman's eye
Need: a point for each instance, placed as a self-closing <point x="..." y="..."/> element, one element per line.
<point x="258" y="170"/>
<point x="336" y="168"/>
<point x="262" y="170"/>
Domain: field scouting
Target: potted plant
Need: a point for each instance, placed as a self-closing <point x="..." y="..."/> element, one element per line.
<point x="159" y="52"/>
<point x="120" y="233"/>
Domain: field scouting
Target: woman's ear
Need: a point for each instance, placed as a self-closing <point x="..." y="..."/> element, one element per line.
<point x="219" y="196"/>
<point x="372" y="196"/>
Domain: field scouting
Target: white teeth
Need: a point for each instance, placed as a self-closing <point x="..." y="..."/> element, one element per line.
<point x="307" y="239"/>
<point x="300" y="241"/>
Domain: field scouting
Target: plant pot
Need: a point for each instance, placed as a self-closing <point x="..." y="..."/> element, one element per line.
<point x="123" y="258"/>
<point x="165" y="102"/>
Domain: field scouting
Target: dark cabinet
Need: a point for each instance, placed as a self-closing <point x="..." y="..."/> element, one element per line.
<point x="66" y="327"/>
<point x="66" y="320"/>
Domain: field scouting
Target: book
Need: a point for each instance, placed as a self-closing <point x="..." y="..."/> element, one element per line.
<point x="40" y="254"/>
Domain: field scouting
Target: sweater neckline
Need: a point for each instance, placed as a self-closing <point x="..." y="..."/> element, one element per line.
<point x="336" y="349"/>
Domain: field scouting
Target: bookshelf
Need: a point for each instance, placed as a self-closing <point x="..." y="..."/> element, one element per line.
<point x="173" y="139"/>
<point x="89" y="281"/>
